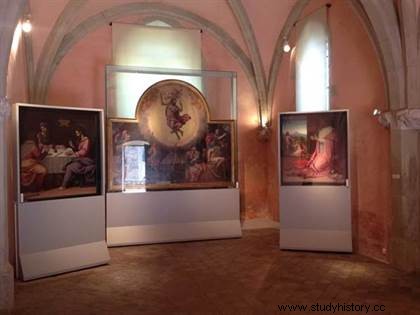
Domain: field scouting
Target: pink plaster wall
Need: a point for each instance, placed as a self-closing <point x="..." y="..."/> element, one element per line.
<point x="284" y="101"/>
<point x="267" y="18"/>
<point x="79" y="80"/>
<point x="359" y="86"/>
<point x="43" y="24"/>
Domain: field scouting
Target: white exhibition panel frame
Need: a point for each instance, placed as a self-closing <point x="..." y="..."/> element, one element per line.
<point x="315" y="217"/>
<point x="174" y="215"/>
<point x="61" y="235"/>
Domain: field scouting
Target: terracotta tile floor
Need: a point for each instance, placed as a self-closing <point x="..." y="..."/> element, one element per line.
<point x="240" y="276"/>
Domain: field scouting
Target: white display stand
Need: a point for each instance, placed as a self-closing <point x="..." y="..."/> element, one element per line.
<point x="315" y="217"/>
<point x="169" y="216"/>
<point x="61" y="235"/>
<point x="57" y="236"/>
<point x="173" y="215"/>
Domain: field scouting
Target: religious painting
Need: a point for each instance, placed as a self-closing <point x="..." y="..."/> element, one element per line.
<point x="207" y="162"/>
<point x="59" y="152"/>
<point x="313" y="148"/>
<point x="172" y="113"/>
<point x="171" y="144"/>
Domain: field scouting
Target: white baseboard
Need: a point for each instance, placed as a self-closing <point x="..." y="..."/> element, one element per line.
<point x="173" y="232"/>
<point x="316" y="240"/>
<point x="260" y="223"/>
<point x="51" y="262"/>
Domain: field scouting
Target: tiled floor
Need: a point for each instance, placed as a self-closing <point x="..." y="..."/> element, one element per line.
<point x="240" y="276"/>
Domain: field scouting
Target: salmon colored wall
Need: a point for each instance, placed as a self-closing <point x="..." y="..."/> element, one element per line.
<point x="267" y="24"/>
<point x="284" y="101"/>
<point x="41" y="23"/>
<point x="358" y="85"/>
<point x="80" y="78"/>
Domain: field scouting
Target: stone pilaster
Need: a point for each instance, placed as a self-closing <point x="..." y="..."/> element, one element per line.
<point x="6" y="271"/>
<point x="405" y="232"/>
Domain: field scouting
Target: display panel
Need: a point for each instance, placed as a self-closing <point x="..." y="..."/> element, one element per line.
<point x="208" y="162"/>
<point x="313" y="148"/>
<point x="59" y="152"/>
<point x="179" y="146"/>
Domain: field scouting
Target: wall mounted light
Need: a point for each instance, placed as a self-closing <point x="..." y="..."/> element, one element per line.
<point x="286" y="46"/>
<point x="264" y="133"/>
<point x="376" y="112"/>
<point x="264" y="130"/>
<point x="26" y="25"/>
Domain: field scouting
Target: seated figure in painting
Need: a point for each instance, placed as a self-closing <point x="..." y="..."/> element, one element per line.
<point x="43" y="135"/>
<point x="194" y="165"/>
<point x="216" y="166"/>
<point x="82" y="165"/>
<point x="32" y="171"/>
<point x="321" y="161"/>
<point x="119" y="138"/>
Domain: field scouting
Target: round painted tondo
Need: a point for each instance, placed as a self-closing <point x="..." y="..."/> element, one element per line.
<point x="173" y="113"/>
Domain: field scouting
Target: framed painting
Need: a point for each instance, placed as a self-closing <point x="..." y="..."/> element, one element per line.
<point x="59" y="150"/>
<point x="171" y="144"/>
<point x="314" y="148"/>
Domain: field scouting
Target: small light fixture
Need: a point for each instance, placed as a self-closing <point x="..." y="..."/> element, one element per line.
<point x="26" y="25"/>
<point x="263" y="133"/>
<point x="264" y="130"/>
<point x="286" y="46"/>
<point x="376" y="112"/>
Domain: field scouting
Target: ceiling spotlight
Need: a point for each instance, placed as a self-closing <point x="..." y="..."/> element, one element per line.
<point x="376" y="112"/>
<point x="27" y="25"/>
<point x="286" y="46"/>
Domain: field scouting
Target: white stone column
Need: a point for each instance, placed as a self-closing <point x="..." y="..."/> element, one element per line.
<point x="6" y="270"/>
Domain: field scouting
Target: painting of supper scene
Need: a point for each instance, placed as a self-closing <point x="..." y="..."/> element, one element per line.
<point x="137" y="164"/>
<point x="314" y="148"/>
<point x="59" y="152"/>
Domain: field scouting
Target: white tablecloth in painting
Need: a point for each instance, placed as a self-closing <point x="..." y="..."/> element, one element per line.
<point x="56" y="162"/>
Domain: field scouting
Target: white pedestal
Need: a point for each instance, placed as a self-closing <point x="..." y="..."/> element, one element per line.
<point x="315" y="218"/>
<point x="169" y="216"/>
<point x="56" y="236"/>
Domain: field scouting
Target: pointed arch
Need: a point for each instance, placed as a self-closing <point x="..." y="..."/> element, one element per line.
<point x="248" y="34"/>
<point x="278" y="50"/>
<point x="108" y="15"/>
<point x="52" y="44"/>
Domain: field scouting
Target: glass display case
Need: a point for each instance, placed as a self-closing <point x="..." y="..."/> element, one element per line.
<point x="170" y="128"/>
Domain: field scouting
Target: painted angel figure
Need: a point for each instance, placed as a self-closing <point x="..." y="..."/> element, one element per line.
<point x="173" y="111"/>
